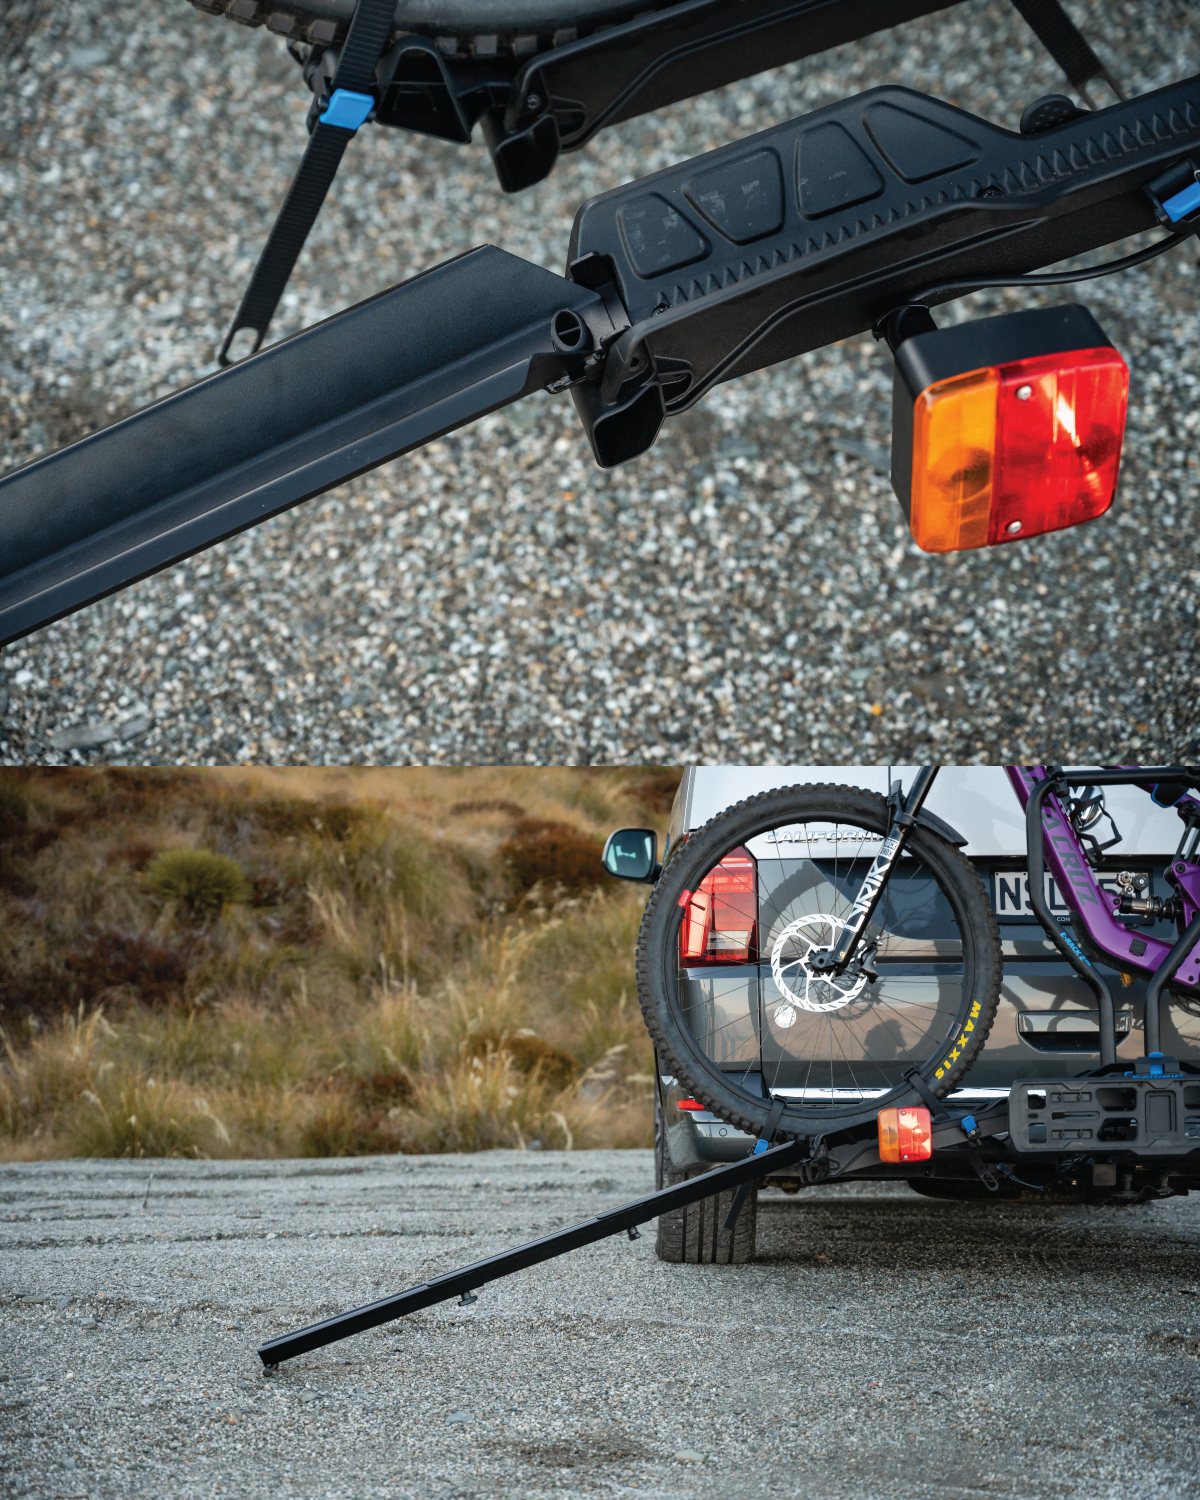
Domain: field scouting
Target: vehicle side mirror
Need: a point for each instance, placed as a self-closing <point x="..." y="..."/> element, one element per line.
<point x="632" y="854"/>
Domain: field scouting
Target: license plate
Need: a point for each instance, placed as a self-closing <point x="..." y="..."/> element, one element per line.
<point x="1010" y="894"/>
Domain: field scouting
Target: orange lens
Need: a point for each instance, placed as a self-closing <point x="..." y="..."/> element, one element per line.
<point x="954" y="446"/>
<point x="1018" y="449"/>
<point x="905" y="1134"/>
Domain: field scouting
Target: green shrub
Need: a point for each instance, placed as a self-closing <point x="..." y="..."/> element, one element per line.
<point x="197" y="879"/>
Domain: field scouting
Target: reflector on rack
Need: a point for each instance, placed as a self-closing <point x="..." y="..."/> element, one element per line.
<point x="905" y="1134"/>
<point x="1007" y="428"/>
<point x="720" y="920"/>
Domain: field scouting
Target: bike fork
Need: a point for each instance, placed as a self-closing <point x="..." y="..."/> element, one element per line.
<point x="904" y="817"/>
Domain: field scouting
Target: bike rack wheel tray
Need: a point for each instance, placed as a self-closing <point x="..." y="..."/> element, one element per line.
<point x="786" y="241"/>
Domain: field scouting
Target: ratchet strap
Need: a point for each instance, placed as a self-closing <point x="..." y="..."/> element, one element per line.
<point x="967" y="1123"/>
<point x="349" y="103"/>
<point x="1067" y="45"/>
<point x="774" y="1115"/>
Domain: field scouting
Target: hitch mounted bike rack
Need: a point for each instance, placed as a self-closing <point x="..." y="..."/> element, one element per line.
<point x="789" y="240"/>
<point x="534" y="105"/>
<point x="810" y="1159"/>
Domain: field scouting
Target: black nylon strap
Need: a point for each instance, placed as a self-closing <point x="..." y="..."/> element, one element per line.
<point x="774" y="1115"/>
<point x="1066" y="44"/>
<point x="938" y="1111"/>
<point x="370" y="27"/>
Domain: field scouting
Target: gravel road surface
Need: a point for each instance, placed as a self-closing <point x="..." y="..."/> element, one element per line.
<point x="746" y="590"/>
<point x="882" y="1345"/>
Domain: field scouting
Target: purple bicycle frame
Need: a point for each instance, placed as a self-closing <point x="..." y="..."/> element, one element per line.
<point x="1066" y="861"/>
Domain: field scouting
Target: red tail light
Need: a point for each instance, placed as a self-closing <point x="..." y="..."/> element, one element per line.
<point x="1014" y="430"/>
<point x="689" y="1104"/>
<point x="905" y="1134"/>
<point x="720" y="920"/>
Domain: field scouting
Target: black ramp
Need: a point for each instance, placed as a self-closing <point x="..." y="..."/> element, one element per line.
<point x="304" y="415"/>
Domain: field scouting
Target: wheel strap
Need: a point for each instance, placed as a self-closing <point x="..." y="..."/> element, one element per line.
<point x="970" y="1128"/>
<point x="350" y="102"/>
<point x="764" y="1142"/>
<point x="1067" y="45"/>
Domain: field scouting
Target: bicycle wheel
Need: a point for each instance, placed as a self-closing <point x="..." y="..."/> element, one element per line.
<point x="517" y="26"/>
<point x="738" y="1015"/>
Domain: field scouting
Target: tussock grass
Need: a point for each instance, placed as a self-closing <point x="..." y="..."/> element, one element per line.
<point x="198" y="879"/>
<point x="374" y="961"/>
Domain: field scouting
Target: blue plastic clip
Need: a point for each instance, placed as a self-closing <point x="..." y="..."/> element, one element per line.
<point x="1156" y="1068"/>
<point x="347" y="109"/>
<point x="760" y="1146"/>
<point x="969" y="1124"/>
<point x="1183" y="204"/>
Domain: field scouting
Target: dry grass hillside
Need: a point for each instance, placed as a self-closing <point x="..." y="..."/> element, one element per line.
<point x="301" y="962"/>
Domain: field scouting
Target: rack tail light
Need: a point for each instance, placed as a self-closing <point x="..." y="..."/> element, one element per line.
<point x="1007" y="428"/>
<point x="720" y="921"/>
<point x="905" y="1134"/>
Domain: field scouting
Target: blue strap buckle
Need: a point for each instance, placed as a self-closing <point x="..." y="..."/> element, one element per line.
<point x="1183" y="205"/>
<point x="760" y="1146"/>
<point x="969" y="1124"/>
<point x="347" y="109"/>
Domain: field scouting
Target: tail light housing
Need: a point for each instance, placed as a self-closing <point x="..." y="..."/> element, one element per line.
<point x="1007" y="428"/>
<point x="905" y="1134"/>
<point x="720" y="918"/>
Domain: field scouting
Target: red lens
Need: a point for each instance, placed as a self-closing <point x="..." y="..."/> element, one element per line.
<point x="1060" y="419"/>
<point x="720" y="920"/>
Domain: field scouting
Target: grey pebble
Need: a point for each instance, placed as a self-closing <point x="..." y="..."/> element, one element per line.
<point x="83" y="736"/>
<point x="82" y="58"/>
<point x="136" y="728"/>
<point x="458" y="1417"/>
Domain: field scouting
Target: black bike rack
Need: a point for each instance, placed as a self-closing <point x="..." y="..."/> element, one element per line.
<point x="784" y="242"/>
<point x="537" y="96"/>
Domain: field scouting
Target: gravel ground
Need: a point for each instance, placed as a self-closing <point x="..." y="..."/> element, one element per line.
<point x="746" y="590"/>
<point x="882" y="1345"/>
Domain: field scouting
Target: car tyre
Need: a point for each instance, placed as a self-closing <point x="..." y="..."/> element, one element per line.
<point x="690" y="1236"/>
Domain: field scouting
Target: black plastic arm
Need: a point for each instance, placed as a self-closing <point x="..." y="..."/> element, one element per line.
<point x="816" y="229"/>
<point x="342" y="397"/>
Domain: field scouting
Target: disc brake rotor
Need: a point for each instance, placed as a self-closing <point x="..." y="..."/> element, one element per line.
<point x="808" y="990"/>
